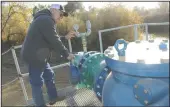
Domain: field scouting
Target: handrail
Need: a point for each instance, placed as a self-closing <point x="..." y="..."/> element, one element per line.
<point x="135" y="31"/>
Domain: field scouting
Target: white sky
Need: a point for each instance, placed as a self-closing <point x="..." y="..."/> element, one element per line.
<point x="147" y="5"/>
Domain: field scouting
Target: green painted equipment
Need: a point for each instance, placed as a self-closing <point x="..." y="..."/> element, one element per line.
<point x="89" y="65"/>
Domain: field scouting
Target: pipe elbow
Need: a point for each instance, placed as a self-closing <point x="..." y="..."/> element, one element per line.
<point x="88" y="32"/>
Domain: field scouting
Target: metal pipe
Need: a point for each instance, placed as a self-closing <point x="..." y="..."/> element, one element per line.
<point x="54" y="67"/>
<point x="16" y="47"/>
<point x="61" y="65"/>
<point x="19" y="72"/>
<point x="156" y="24"/>
<point x="100" y="42"/>
<point x="70" y="46"/>
<point x="117" y="28"/>
<point x="146" y="31"/>
<point x="84" y="43"/>
<point x="135" y="32"/>
<point x="84" y="34"/>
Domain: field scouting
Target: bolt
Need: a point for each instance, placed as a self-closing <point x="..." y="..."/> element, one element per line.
<point x="147" y="48"/>
<point x="111" y="55"/>
<point x="110" y="47"/>
<point x="98" y="94"/>
<point x="151" y="41"/>
<point x="135" y="86"/>
<point x="146" y="102"/>
<point x="98" y="86"/>
<point x="145" y="91"/>
<point x="137" y="41"/>
<point x="85" y="66"/>
<point x="105" y="69"/>
<point x="106" y="55"/>
<point x="88" y="86"/>
<point x="100" y="77"/>
<point x="107" y="51"/>
<point x="140" y="61"/>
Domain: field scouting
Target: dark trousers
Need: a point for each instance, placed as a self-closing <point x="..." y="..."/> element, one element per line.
<point x="37" y="78"/>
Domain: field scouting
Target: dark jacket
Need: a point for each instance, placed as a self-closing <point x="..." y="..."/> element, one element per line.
<point x="41" y="39"/>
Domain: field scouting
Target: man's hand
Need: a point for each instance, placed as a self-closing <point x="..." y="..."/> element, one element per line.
<point x="70" y="35"/>
<point x="70" y="57"/>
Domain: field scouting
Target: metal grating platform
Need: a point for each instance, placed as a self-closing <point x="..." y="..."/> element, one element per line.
<point x="80" y="97"/>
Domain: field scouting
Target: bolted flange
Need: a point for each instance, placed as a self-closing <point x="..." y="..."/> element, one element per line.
<point x="99" y="83"/>
<point x="135" y="86"/>
<point x="145" y="91"/>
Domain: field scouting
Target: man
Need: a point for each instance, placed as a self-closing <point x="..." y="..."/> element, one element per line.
<point x="41" y="39"/>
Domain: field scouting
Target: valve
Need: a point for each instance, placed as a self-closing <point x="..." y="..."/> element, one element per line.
<point x="88" y="29"/>
<point x="83" y="35"/>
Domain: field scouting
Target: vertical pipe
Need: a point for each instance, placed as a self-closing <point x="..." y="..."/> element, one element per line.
<point x="100" y="41"/>
<point x="70" y="49"/>
<point x="146" y="31"/>
<point x="69" y="44"/>
<point x="135" y="32"/>
<point x="20" y="78"/>
<point x="84" y="43"/>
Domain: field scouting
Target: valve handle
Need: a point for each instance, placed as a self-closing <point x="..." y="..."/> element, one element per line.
<point x="76" y="27"/>
<point x="87" y="33"/>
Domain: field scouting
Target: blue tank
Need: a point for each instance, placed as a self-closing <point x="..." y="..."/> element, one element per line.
<point x="139" y="74"/>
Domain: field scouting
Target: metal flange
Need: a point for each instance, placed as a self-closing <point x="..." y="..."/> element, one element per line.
<point x="99" y="83"/>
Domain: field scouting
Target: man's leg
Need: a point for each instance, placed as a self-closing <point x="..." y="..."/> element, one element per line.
<point x="36" y="81"/>
<point x="50" y="83"/>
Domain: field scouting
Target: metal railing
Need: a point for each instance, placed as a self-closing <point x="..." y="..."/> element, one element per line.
<point x="135" y="26"/>
<point x="26" y="74"/>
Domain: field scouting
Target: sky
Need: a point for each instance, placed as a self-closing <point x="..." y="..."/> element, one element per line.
<point x="146" y="5"/>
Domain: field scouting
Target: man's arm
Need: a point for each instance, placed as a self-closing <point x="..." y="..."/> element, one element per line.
<point x="48" y="31"/>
